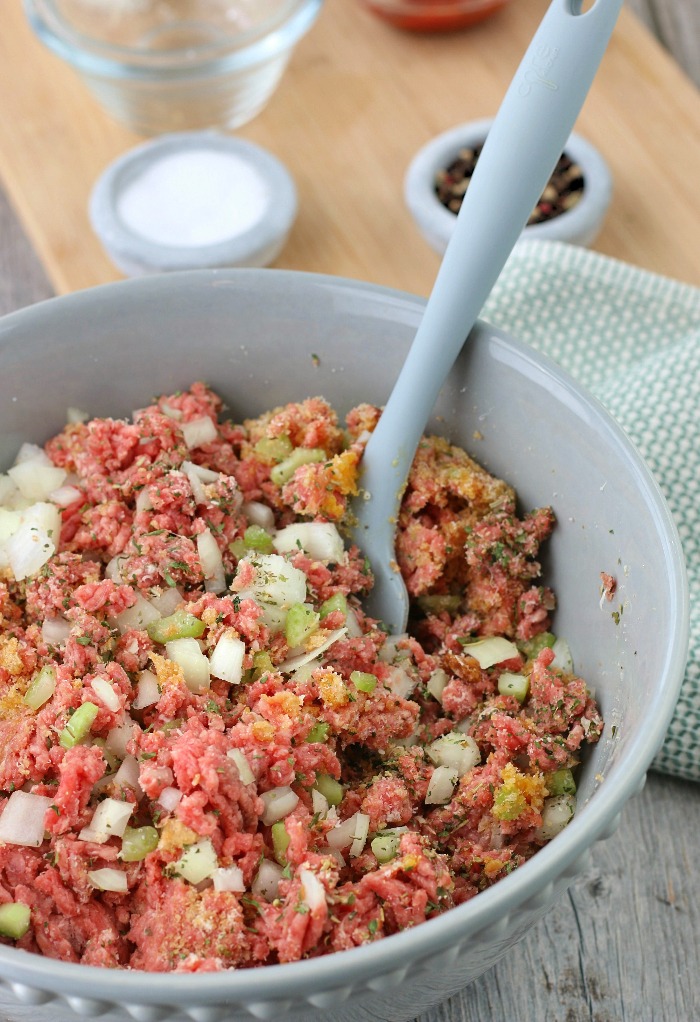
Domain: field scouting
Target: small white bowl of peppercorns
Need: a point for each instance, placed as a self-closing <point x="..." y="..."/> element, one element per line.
<point x="572" y="206"/>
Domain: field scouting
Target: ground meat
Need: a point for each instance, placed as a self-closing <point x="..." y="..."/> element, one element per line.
<point x="265" y="756"/>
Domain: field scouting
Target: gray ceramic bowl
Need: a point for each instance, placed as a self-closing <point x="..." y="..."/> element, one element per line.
<point x="263" y="337"/>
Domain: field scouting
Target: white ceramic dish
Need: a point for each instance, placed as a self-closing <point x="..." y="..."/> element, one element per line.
<point x="264" y="337"/>
<point x="579" y="225"/>
<point x="267" y="191"/>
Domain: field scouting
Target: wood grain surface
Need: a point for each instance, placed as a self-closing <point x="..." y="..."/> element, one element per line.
<point x="358" y="100"/>
<point x="622" y="944"/>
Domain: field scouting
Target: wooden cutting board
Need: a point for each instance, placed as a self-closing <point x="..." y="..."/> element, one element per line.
<point x="356" y="103"/>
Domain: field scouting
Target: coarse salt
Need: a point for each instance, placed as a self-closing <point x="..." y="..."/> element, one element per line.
<point x="195" y="198"/>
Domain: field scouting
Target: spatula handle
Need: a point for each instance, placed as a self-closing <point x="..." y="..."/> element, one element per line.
<point x="523" y="146"/>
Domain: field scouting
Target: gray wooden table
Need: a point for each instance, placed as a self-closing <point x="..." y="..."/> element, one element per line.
<point x="623" y="943"/>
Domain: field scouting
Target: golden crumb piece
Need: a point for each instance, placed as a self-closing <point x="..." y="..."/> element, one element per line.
<point x="9" y="656"/>
<point x="263" y="731"/>
<point x="176" y="835"/>
<point x="167" y="671"/>
<point x="332" y="689"/>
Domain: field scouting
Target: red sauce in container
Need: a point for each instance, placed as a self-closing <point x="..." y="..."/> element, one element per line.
<point x="434" y="15"/>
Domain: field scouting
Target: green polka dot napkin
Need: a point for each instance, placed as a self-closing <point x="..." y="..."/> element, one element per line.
<point x="633" y="339"/>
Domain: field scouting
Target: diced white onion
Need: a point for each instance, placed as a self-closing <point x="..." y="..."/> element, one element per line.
<point x="226" y="659"/>
<point x="259" y="514"/>
<point x="199" y="431"/>
<point x="400" y="682"/>
<point x="76" y="415"/>
<point x="170" y="798"/>
<point x="334" y="853"/>
<point x="279" y="802"/>
<point x="55" y="630"/>
<point x="313" y="893"/>
<point x="198" y="478"/>
<point x="212" y="562"/>
<point x="320" y="540"/>
<point x="228" y="878"/>
<point x="186" y="653"/>
<point x="562" y="656"/>
<point x="172" y="413"/>
<point x="118" y="737"/>
<point x="352" y="624"/>
<point x="147" y="691"/>
<point x="455" y="750"/>
<point x="168" y="601"/>
<point x="110" y="819"/>
<point x="245" y="774"/>
<point x="35" y="479"/>
<point x="277" y="585"/>
<point x="22" y="819"/>
<point x="266" y="883"/>
<point x="436" y="683"/>
<point x="441" y="786"/>
<point x="108" y="879"/>
<point x="113" y="569"/>
<point x="10" y="521"/>
<point x="362" y="821"/>
<point x="143" y="501"/>
<point x="32" y="452"/>
<point x="64" y="496"/>
<point x="197" y="862"/>
<point x="139" y="615"/>
<point x="351" y="833"/>
<point x="293" y="663"/>
<point x="389" y="651"/>
<point x="104" y="691"/>
<point x="494" y="649"/>
<point x="32" y="544"/>
<point x="128" y="774"/>
<point x="556" y="813"/>
<point x="319" y="803"/>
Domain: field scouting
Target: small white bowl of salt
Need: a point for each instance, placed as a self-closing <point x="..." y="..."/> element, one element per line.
<point x="192" y="200"/>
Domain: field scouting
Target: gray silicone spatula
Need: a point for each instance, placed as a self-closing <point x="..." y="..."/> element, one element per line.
<point x="523" y="146"/>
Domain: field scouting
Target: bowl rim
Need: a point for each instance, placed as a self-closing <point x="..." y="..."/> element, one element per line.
<point x="98" y="59"/>
<point x="410" y="947"/>
<point x="436" y="222"/>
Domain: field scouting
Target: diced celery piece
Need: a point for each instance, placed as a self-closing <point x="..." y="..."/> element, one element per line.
<point x="137" y="842"/>
<point x="238" y="548"/>
<point x="386" y="845"/>
<point x="335" y="602"/>
<point x="531" y="647"/>
<point x="280" y="841"/>
<point x="257" y="538"/>
<point x="331" y="789"/>
<point x="318" y="732"/>
<point x="180" y="625"/>
<point x="14" y="919"/>
<point x="437" y="603"/>
<point x="42" y="687"/>
<point x="273" y="449"/>
<point x="363" y="681"/>
<point x="283" y="472"/>
<point x="301" y="621"/>
<point x="516" y="685"/>
<point x="561" y="782"/>
<point x="78" y="725"/>
<point x="262" y="664"/>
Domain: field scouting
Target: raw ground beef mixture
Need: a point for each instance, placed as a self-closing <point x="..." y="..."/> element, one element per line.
<point x="210" y="757"/>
